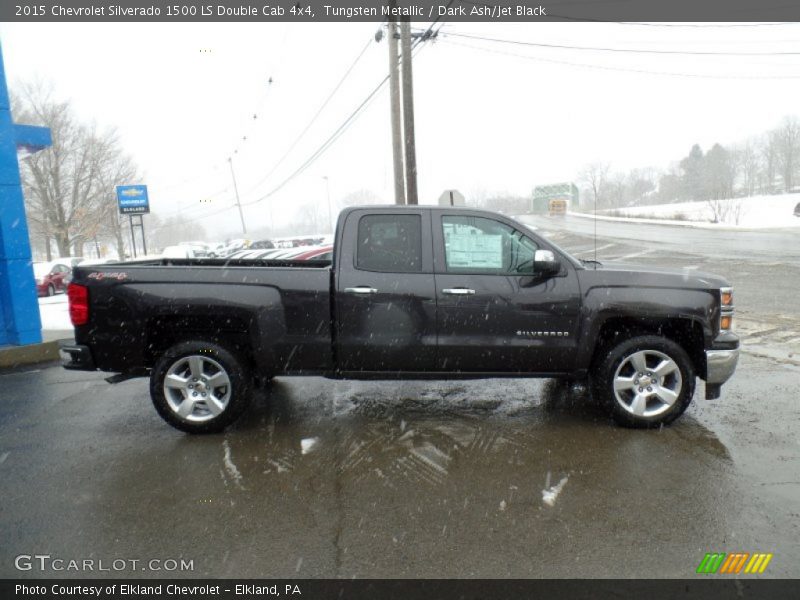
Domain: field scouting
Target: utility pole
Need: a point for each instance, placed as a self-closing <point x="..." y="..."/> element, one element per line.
<point x="236" y="191"/>
<point x="408" y="114"/>
<point x="394" y="101"/>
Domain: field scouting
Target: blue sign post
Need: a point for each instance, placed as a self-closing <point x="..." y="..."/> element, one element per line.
<point x="133" y="200"/>
<point x="19" y="308"/>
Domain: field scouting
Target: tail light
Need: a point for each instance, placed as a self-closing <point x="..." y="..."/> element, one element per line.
<point x="78" y="303"/>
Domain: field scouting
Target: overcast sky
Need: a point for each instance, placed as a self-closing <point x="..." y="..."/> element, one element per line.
<point x="489" y="116"/>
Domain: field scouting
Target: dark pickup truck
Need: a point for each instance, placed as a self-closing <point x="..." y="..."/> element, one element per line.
<point x="411" y="292"/>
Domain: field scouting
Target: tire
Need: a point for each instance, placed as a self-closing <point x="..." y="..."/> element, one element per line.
<point x="621" y="381"/>
<point x="51" y="291"/>
<point x="189" y="370"/>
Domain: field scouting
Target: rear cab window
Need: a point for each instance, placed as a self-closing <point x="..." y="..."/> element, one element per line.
<point x="389" y="243"/>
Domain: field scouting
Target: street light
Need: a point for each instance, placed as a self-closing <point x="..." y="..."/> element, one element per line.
<point x="330" y="211"/>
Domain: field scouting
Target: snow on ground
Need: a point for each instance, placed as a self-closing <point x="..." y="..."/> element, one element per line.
<point x="55" y="313"/>
<point x="755" y="212"/>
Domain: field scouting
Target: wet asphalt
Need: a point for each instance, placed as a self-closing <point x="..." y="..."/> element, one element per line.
<point x="502" y="478"/>
<point x="418" y="479"/>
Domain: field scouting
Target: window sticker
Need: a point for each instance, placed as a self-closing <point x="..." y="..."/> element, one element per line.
<point x="467" y="250"/>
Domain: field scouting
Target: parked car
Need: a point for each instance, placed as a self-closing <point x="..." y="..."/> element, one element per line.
<point x="256" y="254"/>
<point x="199" y="249"/>
<point x="70" y="261"/>
<point x="50" y="277"/>
<point x="178" y="252"/>
<point x="97" y="261"/>
<point x="797" y="210"/>
<point x="408" y="296"/>
<point x="233" y="246"/>
<point x="262" y="245"/>
<point x="318" y="253"/>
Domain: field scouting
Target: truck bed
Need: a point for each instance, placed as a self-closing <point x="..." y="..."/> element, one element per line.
<point x="282" y="309"/>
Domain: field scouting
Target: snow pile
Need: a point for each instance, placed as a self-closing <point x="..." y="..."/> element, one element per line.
<point x="54" y="312"/>
<point x="755" y="212"/>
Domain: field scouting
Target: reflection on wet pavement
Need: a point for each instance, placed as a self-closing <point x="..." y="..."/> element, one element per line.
<point x="324" y="478"/>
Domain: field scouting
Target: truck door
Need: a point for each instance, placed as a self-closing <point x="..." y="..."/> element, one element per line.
<point x="494" y="312"/>
<point x="385" y="300"/>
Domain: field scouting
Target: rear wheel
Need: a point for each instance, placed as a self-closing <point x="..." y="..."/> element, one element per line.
<point x="647" y="381"/>
<point x="51" y="290"/>
<point x="200" y="387"/>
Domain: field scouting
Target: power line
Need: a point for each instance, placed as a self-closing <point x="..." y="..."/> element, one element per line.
<point x="314" y="118"/>
<point x="701" y="25"/>
<point x="351" y="118"/>
<point x="619" y="50"/>
<point x="213" y="167"/>
<point x="326" y="144"/>
<point x="623" y="69"/>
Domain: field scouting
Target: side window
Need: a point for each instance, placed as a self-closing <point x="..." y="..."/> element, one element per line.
<point x="390" y="243"/>
<point x="478" y="244"/>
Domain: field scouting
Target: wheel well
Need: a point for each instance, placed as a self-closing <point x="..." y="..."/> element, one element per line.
<point x="686" y="333"/>
<point x="164" y="332"/>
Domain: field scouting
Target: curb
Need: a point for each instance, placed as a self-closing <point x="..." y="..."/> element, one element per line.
<point x="14" y="356"/>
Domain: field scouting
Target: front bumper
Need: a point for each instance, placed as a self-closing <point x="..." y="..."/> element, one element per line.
<point x="76" y="357"/>
<point x="720" y="365"/>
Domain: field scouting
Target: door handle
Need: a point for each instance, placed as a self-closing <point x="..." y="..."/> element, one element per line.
<point x="458" y="291"/>
<point x="362" y="289"/>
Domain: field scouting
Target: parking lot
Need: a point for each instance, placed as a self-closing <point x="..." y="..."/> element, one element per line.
<point x="503" y="478"/>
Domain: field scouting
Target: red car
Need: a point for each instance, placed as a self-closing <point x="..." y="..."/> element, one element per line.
<point x="50" y="277"/>
<point x="318" y="253"/>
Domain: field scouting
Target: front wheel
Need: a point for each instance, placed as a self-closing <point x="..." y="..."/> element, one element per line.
<point x="200" y="387"/>
<point x="647" y="381"/>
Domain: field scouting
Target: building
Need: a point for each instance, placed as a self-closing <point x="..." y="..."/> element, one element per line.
<point x="543" y="194"/>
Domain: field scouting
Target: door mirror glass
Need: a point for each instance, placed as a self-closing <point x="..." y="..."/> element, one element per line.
<point x="545" y="263"/>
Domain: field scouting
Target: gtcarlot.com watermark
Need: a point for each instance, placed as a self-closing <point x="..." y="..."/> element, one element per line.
<point x="45" y="563"/>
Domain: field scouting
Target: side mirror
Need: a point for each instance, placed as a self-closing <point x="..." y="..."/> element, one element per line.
<point x="545" y="263"/>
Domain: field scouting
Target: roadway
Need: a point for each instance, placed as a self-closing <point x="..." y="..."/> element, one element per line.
<point x="747" y="245"/>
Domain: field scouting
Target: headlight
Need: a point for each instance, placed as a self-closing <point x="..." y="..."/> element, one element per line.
<point x="726" y="309"/>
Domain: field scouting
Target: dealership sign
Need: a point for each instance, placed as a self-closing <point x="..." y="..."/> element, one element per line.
<point x="132" y="199"/>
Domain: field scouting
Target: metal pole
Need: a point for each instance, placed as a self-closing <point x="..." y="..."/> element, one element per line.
<point x="133" y="237"/>
<point x="330" y="212"/>
<point x="144" y="243"/>
<point x="408" y="114"/>
<point x="236" y="191"/>
<point x="394" y="102"/>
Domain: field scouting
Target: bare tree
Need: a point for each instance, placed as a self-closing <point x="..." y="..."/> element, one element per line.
<point x="359" y="197"/>
<point x="67" y="185"/>
<point x="748" y="163"/>
<point x="788" y="146"/>
<point x="719" y="173"/>
<point x="171" y="231"/>
<point x="119" y="170"/>
<point x="769" y="157"/>
<point x="595" y="176"/>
